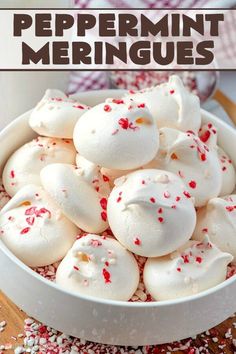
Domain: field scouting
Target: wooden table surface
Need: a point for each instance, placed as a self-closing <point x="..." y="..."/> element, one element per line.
<point x="15" y="325"/>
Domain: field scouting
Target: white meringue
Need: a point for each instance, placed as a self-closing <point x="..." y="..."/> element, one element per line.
<point x="117" y="134"/>
<point x="4" y="197"/>
<point x="34" y="229"/>
<point x="76" y="197"/>
<point x="56" y="115"/>
<point x="193" y="268"/>
<point x="218" y="221"/>
<point x="25" y="164"/>
<point x="94" y="175"/>
<point x="150" y="212"/>
<point x="171" y="105"/>
<point x="197" y="164"/>
<point x="228" y="173"/>
<point x="100" y="267"/>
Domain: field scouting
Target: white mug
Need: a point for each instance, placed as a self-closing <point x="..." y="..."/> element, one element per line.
<point x="20" y="91"/>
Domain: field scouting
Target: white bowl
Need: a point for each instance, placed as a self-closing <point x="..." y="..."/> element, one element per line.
<point x="111" y="322"/>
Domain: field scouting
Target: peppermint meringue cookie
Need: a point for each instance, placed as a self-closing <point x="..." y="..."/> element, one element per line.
<point x="100" y="267"/>
<point x="151" y="213"/>
<point x="171" y="105"/>
<point x="4" y="197"/>
<point x="34" y="229"/>
<point x="56" y="115"/>
<point x="25" y="164"/>
<point x="94" y="175"/>
<point x="76" y="197"/>
<point x="197" y="164"/>
<point x="117" y="134"/>
<point x="218" y="221"/>
<point x="228" y="173"/>
<point x="193" y="268"/>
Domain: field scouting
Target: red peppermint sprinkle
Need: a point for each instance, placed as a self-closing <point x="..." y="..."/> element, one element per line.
<point x="209" y="125"/>
<point x="76" y="268"/>
<point x="30" y="211"/>
<point x="78" y="106"/>
<point x="103" y="203"/>
<point x="124" y="123"/>
<point x="166" y="194"/>
<point x="205" y="229"/>
<point x="172" y="91"/>
<point x="178" y="269"/>
<point x="104" y="216"/>
<point x="229" y="208"/>
<point x="107" y="108"/>
<point x="192" y="184"/>
<point x="118" y="101"/>
<point x="107" y="264"/>
<point x="185" y="258"/>
<point x="199" y="259"/>
<point x="25" y="230"/>
<point x="118" y="199"/>
<point x="177" y="199"/>
<point x="30" y="220"/>
<point x="224" y="168"/>
<point x="42" y="211"/>
<point x="12" y="174"/>
<point x="105" y="178"/>
<point x="152" y="200"/>
<point x="187" y="194"/>
<point x="143" y="182"/>
<point x="95" y="243"/>
<point x="106" y="276"/>
<point x="203" y="157"/>
<point x="160" y="219"/>
<point x="137" y="241"/>
<point x="141" y="105"/>
<point x="205" y="136"/>
<point x="160" y="211"/>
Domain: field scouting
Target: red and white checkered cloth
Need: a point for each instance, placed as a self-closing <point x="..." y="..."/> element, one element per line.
<point x="82" y="81"/>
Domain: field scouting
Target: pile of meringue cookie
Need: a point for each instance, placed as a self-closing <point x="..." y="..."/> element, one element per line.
<point x="142" y="167"/>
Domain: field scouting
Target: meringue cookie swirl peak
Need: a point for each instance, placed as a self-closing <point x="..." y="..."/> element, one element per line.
<point x="76" y="196"/>
<point x="101" y="267"/>
<point x="184" y="154"/>
<point x="150" y="212"/>
<point x="218" y="220"/>
<point x="195" y="267"/>
<point x="171" y="105"/>
<point x="24" y="165"/>
<point x="56" y="115"/>
<point x="34" y="229"/>
<point x="118" y="134"/>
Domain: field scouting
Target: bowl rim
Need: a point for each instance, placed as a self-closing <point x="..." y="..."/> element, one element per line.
<point x="93" y="299"/>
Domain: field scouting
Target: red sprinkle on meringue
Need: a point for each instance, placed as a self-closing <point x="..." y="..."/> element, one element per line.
<point x="124" y="123"/>
<point x="95" y="243"/>
<point x="104" y="216"/>
<point x="177" y="199"/>
<point x="107" y="108"/>
<point x="229" y="208"/>
<point x="205" y="136"/>
<point x="137" y="241"/>
<point x="152" y="200"/>
<point x="118" y="101"/>
<point x="203" y="157"/>
<point x="118" y="199"/>
<point x="199" y="259"/>
<point x="205" y="229"/>
<point x="166" y="194"/>
<point x="192" y="184"/>
<point x="187" y="194"/>
<point x="25" y="230"/>
<point x="160" y="211"/>
<point x="141" y="105"/>
<point x="76" y="268"/>
<point x="178" y="269"/>
<point x="30" y="211"/>
<point x="30" y="220"/>
<point x="160" y="219"/>
<point x="79" y="106"/>
<point x="172" y="91"/>
<point x="12" y="174"/>
<point x="224" y="168"/>
<point x="106" y="276"/>
<point x="103" y="203"/>
<point x="105" y="178"/>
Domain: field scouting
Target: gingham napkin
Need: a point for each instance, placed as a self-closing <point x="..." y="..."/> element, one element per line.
<point x="82" y="81"/>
